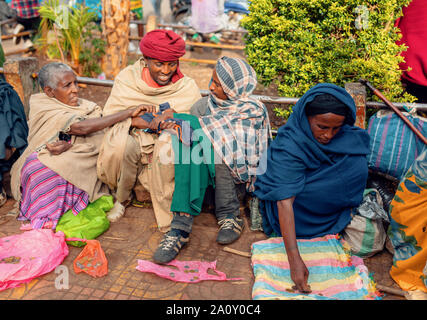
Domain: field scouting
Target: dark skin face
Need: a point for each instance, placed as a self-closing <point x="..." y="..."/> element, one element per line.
<point x="161" y="71"/>
<point x="66" y="89"/>
<point x="325" y="126"/>
<point x="216" y="88"/>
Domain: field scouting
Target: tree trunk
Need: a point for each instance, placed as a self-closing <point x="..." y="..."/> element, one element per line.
<point x="115" y="29"/>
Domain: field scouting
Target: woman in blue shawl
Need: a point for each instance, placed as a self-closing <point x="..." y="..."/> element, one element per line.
<point x="316" y="172"/>
<point x="13" y="131"/>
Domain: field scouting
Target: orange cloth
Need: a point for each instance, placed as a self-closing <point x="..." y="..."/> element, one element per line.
<point x="407" y="230"/>
<point x="146" y="77"/>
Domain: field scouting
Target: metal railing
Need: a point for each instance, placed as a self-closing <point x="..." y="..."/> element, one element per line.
<point x="180" y="26"/>
<point x="262" y="98"/>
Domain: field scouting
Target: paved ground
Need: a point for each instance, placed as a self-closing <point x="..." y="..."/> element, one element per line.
<point x="135" y="236"/>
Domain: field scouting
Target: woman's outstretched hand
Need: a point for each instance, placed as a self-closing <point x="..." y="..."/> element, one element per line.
<point x="299" y="275"/>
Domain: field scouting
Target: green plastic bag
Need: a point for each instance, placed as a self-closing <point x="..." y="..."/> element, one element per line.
<point x="89" y="223"/>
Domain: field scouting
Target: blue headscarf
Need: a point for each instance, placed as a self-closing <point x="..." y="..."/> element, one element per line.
<point x="327" y="180"/>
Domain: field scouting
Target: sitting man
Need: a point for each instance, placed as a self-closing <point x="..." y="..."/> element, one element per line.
<point x="57" y="171"/>
<point x="129" y="153"/>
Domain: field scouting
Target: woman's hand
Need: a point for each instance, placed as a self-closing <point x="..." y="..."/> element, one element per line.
<point x="58" y="147"/>
<point x="299" y="275"/>
<point x="299" y="272"/>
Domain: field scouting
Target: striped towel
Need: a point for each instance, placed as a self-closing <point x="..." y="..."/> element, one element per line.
<point x="334" y="273"/>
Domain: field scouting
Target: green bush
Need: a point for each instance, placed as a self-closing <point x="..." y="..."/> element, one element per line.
<point x="299" y="43"/>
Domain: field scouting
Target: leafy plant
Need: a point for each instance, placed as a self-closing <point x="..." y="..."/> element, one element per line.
<point x="299" y="43"/>
<point x="283" y="112"/>
<point x="92" y="51"/>
<point x="67" y="33"/>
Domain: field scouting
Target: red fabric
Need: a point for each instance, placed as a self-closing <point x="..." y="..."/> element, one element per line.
<point x="146" y="77"/>
<point x="413" y="26"/>
<point x="164" y="45"/>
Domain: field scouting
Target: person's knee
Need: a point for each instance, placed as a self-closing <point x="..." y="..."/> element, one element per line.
<point x="132" y="151"/>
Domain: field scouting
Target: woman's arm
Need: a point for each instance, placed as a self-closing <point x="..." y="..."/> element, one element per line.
<point x="299" y="272"/>
<point x="92" y="125"/>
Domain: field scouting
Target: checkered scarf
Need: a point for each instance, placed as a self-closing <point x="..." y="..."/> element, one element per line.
<point x="26" y="9"/>
<point x="239" y="127"/>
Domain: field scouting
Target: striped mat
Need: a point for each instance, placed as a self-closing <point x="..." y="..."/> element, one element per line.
<point x="333" y="272"/>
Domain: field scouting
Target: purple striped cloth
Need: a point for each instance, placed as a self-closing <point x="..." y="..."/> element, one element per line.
<point x="46" y="196"/>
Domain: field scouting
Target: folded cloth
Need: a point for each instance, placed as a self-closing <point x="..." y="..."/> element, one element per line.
<point x="334" y="274"/>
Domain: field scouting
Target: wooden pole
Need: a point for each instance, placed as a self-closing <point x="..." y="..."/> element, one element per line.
<point x="398" y="112"/>
<point x="19" y="73"/>
<point x="115" y="28"/>
<point x="20" y="34"/>
<point x="386" y="289"/>
<point x="238" y="252"/>
<point x="358" y="93"/>
<point x="198" y="60"/>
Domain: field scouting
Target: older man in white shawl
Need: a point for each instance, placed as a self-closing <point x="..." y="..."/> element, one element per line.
<point x="129" y="154"/>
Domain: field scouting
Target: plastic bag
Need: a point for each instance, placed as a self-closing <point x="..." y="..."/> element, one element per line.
<point x="256" y="218"/>
<point x="366" y="237"/>
<point x="91" y="260"/>
<point x="89" y="223"/>
<point x="29" y="255"/>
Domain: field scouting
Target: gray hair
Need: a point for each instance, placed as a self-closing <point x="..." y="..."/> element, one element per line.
<point x="50" y="74"/>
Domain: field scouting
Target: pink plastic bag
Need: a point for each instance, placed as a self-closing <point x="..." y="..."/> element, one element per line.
<point x="29" y="255"/>
<point x="184" y="271"/>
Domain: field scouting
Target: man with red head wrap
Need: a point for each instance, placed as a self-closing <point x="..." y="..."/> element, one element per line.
<point x="129" y="155"/>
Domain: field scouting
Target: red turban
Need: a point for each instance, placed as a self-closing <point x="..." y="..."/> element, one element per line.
<point x="163" y="45"/>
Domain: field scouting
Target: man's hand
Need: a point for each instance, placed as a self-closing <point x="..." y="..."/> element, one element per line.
<point x="138" y="122"/>
<point x="154" y="124"/>
<point x="166" y="125"/>
<point x="170" y="110"/>
<point x="58" y="147"/>
<point x="141" y="109"/>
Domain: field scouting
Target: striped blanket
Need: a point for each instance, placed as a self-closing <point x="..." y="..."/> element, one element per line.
<point x="46" y="196"/>
<point x="334" y="272"/>
<point x="394" y="147"/>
